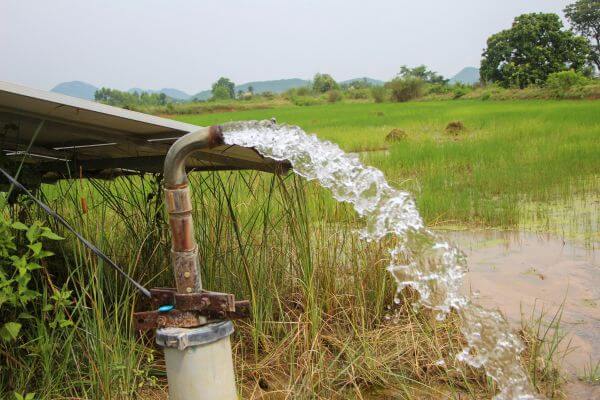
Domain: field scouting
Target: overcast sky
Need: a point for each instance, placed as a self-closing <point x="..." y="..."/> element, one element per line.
<point x="188" y="44"/>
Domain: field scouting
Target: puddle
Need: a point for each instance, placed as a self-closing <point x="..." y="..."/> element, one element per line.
<point x="518" y="271"/>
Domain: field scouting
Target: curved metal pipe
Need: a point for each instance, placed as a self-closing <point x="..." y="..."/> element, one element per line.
<point x="178" y="200"/>
<point x="174" y="170"/>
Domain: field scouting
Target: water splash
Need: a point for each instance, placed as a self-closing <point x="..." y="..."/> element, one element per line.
<point x="421" y="260"/>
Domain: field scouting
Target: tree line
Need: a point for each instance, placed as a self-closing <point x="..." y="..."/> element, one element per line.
<point x="537" y="50"/>
<point x="120" y="98"/>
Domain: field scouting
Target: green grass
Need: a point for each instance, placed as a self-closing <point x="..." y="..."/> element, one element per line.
<point x="513" y="159"/>
<point x="320" y="297"/>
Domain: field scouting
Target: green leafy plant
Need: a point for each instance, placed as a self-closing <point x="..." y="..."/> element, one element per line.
<point x="17" y="266"/>
<point x="26" y="396"/>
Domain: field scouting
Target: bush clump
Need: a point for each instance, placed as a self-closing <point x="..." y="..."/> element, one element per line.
<point x="333" y="96"/>
<point x="304" y="91"/>
<point x="378" y="94"/>
<point x="358" y="94"/>
<point x="305" y="101"/>
<point x="396" y="135"/>
<point x="561" y="82"/>
<point x="405" y="89"/>
<point x="459" y="91"/>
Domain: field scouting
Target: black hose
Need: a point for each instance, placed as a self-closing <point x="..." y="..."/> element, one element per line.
<point x="89" y="245"/>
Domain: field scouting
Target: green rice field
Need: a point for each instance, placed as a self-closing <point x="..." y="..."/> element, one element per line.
<point x="532" y="164"/>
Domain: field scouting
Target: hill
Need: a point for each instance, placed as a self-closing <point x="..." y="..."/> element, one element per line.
<point x="203" y="95"/>
<point x="79" y="89"/>
<point x="274" y="86"/>
<point x="371" y="81"/>
<point x="468" y="75"/>
<point x="86" y="91"/>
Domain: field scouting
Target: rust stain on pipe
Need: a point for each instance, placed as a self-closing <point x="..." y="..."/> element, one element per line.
<point x="178" y="201"/>
<point x="215" y="136"/>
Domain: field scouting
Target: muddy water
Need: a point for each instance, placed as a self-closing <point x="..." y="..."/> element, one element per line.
<point x="519" y="271"/>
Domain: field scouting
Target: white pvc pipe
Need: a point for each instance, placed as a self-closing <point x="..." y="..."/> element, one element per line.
<point x="196" y="370"/>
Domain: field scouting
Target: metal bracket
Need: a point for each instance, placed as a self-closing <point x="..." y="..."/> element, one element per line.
<point x="190" y="309"/>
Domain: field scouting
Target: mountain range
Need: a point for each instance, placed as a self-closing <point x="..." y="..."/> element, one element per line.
<point x="79" y="89"/>
<point x="468" y="75"/>
<point x="84" y="90"/>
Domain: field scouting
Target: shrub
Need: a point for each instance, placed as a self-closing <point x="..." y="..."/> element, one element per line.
<point x="333" y="96"/>
<point x="305" y="101"/>
<point x="438" y="88"/>
<point x="405" y="89"/>
<point x="303" y="91"/>
<point x="299" y="91"/>
<point x="560" y="82"/>
<point x="378" y="94"/>
<point x="358" y="94"/>
<point x="459" y="91"/>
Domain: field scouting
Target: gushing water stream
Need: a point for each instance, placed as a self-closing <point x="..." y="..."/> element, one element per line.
<point x="421" y="260"/>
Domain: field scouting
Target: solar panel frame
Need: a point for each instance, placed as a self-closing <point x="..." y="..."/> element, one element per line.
<point x="81" y="135"/>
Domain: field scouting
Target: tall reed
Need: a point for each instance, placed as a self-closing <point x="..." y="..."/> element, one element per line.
<point x="324" y="324"/>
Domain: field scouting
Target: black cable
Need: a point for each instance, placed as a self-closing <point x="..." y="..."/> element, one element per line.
<point x="89" y="245"/>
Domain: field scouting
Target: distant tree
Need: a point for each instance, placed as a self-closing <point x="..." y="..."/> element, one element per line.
<point x="405" y="88"/>
<point x="223" y="89"/>
<point x="421" y="72"/>
<point x="324" y="83"/>
<point x="534" y="47"/>
<point x="221" y="93"/>
<point x="584" y="17"/>
<point x="250" y="89"/>
<point x="357" y="84"/>
<point x="240" y="93"/>
<point x="128" y="100"/>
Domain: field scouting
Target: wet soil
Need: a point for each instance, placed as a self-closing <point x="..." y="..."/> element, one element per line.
<point x="523" y="274"/>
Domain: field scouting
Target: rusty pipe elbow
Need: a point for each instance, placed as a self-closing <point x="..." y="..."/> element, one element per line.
<point x="178" y="201"/>
<point x="174" y="169"/>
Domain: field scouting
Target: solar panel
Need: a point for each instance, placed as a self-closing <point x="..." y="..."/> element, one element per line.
<point x="59" y="134"/>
